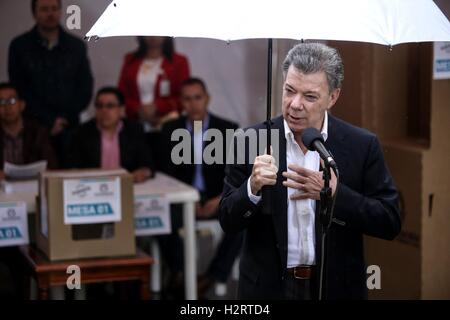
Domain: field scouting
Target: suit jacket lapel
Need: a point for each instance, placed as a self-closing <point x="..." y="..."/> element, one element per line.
<point x="336" y="144"/>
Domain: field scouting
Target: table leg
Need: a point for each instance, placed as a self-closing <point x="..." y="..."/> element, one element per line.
<point x="156" y="266"/>
<point x="145" y="289"/>
<point x="43" y="293"/>
<point x="190" y="255"/>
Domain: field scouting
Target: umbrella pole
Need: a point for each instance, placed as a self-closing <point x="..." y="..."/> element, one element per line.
<point x="266" y="190"/>
<point x="269" y="93"/>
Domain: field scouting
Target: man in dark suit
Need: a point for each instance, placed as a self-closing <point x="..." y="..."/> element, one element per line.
<point x="109" y="141"/>
<point x="51" y="67"/>
<point x="282" y="252"/>
<point x="207" y="178"/>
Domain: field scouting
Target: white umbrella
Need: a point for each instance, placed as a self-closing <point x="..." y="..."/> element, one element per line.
<point x="388" y="22"/>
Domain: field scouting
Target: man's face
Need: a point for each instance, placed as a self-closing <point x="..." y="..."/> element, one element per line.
<point x="47" y="14"/>
<point x="11" y="107"/>
<point x="108" y="111"/>
<point x="306" y="98"/>
<point x="194" y="101"/>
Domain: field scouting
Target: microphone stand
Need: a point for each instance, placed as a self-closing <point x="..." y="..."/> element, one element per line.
<point x="326" y="217"/>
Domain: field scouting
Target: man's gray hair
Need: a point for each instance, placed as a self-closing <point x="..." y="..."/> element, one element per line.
<point x="316" y="57"/>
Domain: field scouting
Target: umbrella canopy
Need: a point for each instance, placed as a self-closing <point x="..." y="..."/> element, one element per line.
<point x="388" y="22"/>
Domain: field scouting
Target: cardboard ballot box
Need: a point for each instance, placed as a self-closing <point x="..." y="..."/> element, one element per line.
<point x="85" y="214"/>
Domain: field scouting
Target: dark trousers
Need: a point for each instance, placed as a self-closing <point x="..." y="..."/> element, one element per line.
<point x="297" y="289"/>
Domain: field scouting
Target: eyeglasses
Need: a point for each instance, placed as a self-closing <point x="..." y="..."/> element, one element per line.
<point x="106" y="105"/>
<point x="8" y="102"/>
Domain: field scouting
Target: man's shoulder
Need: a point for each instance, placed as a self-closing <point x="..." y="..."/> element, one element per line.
<point x="34" y="127"/>
<point x="72" y="41"/>
<point x="132" y="127"/>
<point x="349" y="130"/>
<point x="90" y="125"/>
<point x="174" y="124"/>
<point x="23" y="39"/>
<point x="221" y="123"/>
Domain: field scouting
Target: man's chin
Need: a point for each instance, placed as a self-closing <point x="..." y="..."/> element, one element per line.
<point x="297" y="126"/>
<point x="48" y="27"/>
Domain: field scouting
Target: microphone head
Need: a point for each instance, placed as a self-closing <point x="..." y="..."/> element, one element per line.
<point x="309" y="135"/>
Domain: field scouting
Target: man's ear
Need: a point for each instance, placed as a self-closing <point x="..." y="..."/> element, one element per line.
<point x="334" y="97"/>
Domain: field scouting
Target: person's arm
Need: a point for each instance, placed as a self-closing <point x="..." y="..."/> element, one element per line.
<point x="15" y="71"/>
<point x="131" y="104"/>
<point x="18" y="76"/>
<point x="165" y="105"/>
<point x="236" y="209"/>
<point x="375" y="211"/>
<point x="84" y="86"/>
<point x="144" y="160"/>
<point x="47" y="151"/>
<point x="240" y="203"/>
<point x="74" y="150"/>
<point x="168" y="166"/>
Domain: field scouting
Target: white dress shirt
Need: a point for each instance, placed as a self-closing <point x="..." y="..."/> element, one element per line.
<point x="147" y="78"/>
<point x="301" y="213"/>
<point x="198" y="131"/>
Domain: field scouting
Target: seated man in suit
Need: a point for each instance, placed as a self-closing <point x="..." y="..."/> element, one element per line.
<point x="22" y="141"/>
<point x="207" y="178"/>
<point x="109" y="141"/>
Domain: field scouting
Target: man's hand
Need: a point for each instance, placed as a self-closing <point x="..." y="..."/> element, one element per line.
<point x="308" y="183"/>
<point x="142" y="174"/>
<point x="58" y="126"/>
<point x="264" y="173"/>
<point x="209" y="208"/>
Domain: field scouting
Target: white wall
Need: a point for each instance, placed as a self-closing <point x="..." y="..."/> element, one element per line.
<point x="234" y="73"/>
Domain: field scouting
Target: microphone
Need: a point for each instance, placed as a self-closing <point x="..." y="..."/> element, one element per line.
<point x="313" y="141"/>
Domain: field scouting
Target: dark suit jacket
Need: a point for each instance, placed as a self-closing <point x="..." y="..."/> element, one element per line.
<point x="36" y="145"/>
<point x="55" y="83"/>
<point x="213" y="173"/>
<point x="367" y="203"/>
<point x="85" y="147"/>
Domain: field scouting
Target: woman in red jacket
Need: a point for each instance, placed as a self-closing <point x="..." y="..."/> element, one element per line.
<point x="150" y="81"/>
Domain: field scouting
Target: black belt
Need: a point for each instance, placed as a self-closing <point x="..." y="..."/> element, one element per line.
<point x="302" y="272"/>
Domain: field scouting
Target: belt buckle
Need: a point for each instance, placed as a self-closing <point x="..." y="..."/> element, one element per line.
<point x="299" y="276"/>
